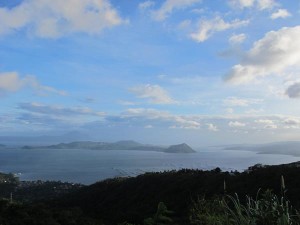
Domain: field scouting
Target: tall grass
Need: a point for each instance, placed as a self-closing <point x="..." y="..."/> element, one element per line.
<point x="266" y="209"/>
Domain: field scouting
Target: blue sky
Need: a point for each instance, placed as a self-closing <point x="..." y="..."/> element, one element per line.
<point x="196" y="71"/>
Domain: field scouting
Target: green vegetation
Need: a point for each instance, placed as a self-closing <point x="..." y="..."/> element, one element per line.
<point x="185" y="197"/>
<point x="161" y="216"/>
<point x="268" y="209"/>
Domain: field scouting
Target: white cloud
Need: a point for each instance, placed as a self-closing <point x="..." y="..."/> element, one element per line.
<point x="293" y="91"/>
<point x="267" y="124"/>
<point x="169" y="6"/>
<point x="259" y="4"/>
<point x="276" y="52"/>
<point x="264" y="121"/>
<point x="127" y="103"/>
<point x="244" y="102"/>
<point x="146" y="116"/>
<point x="229" y="110"/>
<point x="198" y="11"/>
<point x="208" y="27"/>
<point x="155" y="94"/>
<point x="280" y="13"/>
<point x="242" y="3"/>
<point x="146" y="5"/>
<point x="59" y="111"/>
<point x="237" y="38"/>
<point x="266" y="4"/>
<point x="148" y="126"/>
<point x="12" y="82"/>
<point x="254" y="111"/>
<point x="236" y="124"/>
<point x="292" y="122"/>
<point x="212" y="127"/>
<point x="183" y="80"/>
<point x="185" y="24"/>
<point x="55" y="18"/>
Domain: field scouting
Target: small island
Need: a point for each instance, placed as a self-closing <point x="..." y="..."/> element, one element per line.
<point x="181" y="148"/>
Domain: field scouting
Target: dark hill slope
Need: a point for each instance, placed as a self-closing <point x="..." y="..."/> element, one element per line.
<point x="132" y="199"/>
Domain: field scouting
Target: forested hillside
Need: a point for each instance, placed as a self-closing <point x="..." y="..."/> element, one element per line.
<point x="178" y="193"/>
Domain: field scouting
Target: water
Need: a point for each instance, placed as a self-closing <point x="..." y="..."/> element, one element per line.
<point x="89" y="166"/>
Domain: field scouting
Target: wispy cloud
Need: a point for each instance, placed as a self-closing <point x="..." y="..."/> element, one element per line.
<point x="146" y="116"/>
<point x="259" y="4"/>
<point x="207" y="28"/>
<point x="11" y="82"/>
<point x="236" y="124"/>
<point x="154" y="93"/>
<point x="54" y="117"/>
<point x="169" y="6"/>
<point x="56" y="18"/>
<point x="280" y="13"/>
<point x="143" y="117"/>
<point x="59" y="111"/>
<point x="237" y="38"/>
<point x="212" y="127"/>
<point x="266" y="123"/>
<point x="243" y="102"/>
<point x="146" y="5"/>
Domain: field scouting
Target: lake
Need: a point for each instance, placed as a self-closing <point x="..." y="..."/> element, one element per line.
<point x="89" y="166"/>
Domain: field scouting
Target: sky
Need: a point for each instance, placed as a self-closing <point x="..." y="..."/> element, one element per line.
<point x="204" y="72"/>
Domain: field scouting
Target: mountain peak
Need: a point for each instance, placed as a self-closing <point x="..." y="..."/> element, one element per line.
<point x="180" y="148"/>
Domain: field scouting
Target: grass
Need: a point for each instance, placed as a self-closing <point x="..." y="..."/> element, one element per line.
<point x="266" y="209"/>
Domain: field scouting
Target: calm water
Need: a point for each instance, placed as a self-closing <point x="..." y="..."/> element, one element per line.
<point x="88" y="166"/>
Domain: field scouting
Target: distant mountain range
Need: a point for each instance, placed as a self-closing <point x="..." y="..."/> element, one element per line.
<point x="120" y="145"/>
<point x="282" y="148"/>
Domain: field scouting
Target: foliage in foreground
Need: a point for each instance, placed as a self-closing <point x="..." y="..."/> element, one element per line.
<point x="14" y="213"/>
<point x="113" y="201"/>
<point x="266" y="210"/>
<point x="161" y="216"/>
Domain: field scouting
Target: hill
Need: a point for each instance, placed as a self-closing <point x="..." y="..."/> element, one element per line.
<point x="181" y="148"/>
<point x="117" y="200"/>
<point x="136" y="198"/>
